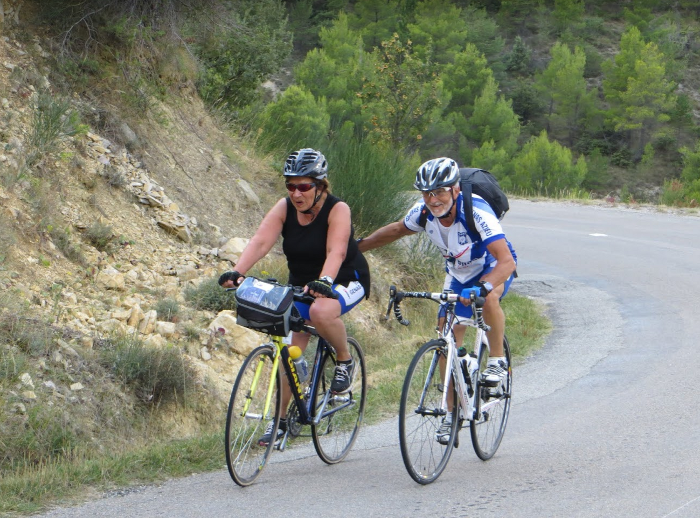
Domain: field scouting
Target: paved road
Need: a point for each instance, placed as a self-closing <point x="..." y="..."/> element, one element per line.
<point x="605" y="420"/>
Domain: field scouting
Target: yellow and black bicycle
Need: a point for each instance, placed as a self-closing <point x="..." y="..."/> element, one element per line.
<point x="334" y="419"/>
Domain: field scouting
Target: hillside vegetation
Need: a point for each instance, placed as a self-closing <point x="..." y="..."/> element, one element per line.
<point x="142" y="143"/>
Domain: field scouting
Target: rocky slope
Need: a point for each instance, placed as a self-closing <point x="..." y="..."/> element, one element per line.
<point x="172" y="213"/>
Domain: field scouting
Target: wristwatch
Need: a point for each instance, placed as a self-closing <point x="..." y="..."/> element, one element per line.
<point x="487" y="286"/>
<point x="328" y="279"/>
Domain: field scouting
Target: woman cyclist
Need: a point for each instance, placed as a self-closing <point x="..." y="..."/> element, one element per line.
<point x="322" y="255"/>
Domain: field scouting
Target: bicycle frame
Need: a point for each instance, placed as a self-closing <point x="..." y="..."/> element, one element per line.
<point x="256" y="396"/>
<point x="308" y="415"/>
<point x="469" y="402"/>
<point x="465" y="391"/>
<point x="458" y="392"/>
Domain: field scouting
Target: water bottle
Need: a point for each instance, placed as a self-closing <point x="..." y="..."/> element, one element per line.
<point x="299" y="363"/>
<point x="464" y="363"/>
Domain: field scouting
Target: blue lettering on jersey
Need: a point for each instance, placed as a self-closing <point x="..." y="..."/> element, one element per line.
<point x="486" y="229"/>
<point x="462" y="238"/>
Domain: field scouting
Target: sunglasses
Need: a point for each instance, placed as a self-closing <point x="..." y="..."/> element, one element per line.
<point x="301" y="187"/>
<point x="436" y="192"/>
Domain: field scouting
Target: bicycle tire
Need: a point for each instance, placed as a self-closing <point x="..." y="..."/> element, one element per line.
<point x="487" y="431"/>
<point x="245" y="457"/>
<point x="424" y="457"/>
<point x="335" y="433"/>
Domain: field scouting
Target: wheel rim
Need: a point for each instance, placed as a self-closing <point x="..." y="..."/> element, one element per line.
<point x="245" y="458"/>
<point x="335" y="434"/>
<point x="424" y="457"/>
<point x="487" y="432"/>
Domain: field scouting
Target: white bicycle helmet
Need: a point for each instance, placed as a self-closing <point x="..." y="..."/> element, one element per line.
<point x="306" y="162"/>
<point x="435" y="173"/>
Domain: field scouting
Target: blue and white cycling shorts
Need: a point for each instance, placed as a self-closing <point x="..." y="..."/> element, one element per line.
<point x="453" y="284"/>
<point x="349" y="296"/>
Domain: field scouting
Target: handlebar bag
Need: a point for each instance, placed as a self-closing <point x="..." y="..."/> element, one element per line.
<point x="266" y="307"/>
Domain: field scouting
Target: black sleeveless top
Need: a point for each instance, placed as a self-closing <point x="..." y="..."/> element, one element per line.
<point x="305" y="249"/>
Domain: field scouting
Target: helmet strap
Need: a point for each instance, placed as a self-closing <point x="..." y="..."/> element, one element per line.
<point x="449" y="211"/>
<point x="316" y="198"/>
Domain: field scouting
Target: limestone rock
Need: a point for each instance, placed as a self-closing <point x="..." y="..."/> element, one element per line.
<point x="110" y="279"/>
<point x="167" y="329"/>
<point x="238" y="338"/>
<point x="26" y="380"/>
<point x="148" y="324"/>
<point x="233" y="248"/>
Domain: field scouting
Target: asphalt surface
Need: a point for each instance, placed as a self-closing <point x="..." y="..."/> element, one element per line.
<point x="604" y="420"/>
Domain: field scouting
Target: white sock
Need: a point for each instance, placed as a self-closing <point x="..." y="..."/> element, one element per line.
<point x="494" y="360"/>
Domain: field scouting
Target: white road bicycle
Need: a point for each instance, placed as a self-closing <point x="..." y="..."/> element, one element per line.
<point x="438" y="367"/>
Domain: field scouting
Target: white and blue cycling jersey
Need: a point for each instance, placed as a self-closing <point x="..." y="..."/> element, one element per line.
<point x="464" y="250"/>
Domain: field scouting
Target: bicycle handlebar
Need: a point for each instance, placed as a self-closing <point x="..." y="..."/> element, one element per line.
<point x="298" y="292"/>
<point x="395" y="298"/>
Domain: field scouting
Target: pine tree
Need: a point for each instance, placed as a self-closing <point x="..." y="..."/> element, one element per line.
<point x="637" y="89"/>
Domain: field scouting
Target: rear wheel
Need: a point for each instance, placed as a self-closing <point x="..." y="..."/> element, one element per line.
<point x="341" y="414"/>
<point x="420" y="415"/>
<point x="492" y="411"/>
<point x="255" y="404"/>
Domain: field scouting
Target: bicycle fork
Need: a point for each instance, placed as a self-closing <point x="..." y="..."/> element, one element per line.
<point x="254" y="386"/>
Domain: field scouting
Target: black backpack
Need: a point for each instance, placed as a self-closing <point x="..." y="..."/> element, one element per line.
<point x="482" y="183"/>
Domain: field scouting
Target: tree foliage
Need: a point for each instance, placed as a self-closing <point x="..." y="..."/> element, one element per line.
<point x="493" y="119"/>
<point x="403" y="95"/>
<point x="377" y="20"/>
<point x="431" y="76"/>
<point x="563" y="86"/>
<point x="545" y="166"/>
<point x="438" y="33"/>
<point x="567" y="12"/>
<point x="240" y="55"/>
<point x="465" y="79"/>
<point x="297" y="119"/>
<point x="637" y="89"/>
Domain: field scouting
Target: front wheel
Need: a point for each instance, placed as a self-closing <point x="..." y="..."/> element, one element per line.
<point x="340" y="414"/>
<point x="424" y="454"/>
<point x="255" y="404"/>
<point x="492" y="411"/>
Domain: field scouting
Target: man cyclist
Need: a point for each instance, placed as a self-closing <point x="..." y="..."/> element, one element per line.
<point x="322" y="255"/>
<point x="484" y="258"/>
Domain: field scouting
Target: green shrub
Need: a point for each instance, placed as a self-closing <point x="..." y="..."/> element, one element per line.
<point x="30" y="336"/>
<point x="208" y="295"/>
<point x="42" y="433"/>
<point x="295" y="120"/>
<point x="100" y="236"/>
<point x="62" y="239"/>
<point x="673" y="193"/>
<point x="547" y="167"/>
<point x="12" y="363"/>
<point x="168" y="310"/>
<point x="372" y="179"/>
<point x="237" y="61"/>
<point x="155" y="374"/>
<point x="53" y="120"/>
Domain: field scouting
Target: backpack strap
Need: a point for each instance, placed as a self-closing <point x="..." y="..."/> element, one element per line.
<point x="466" y="188"/>
<point x="423" y="216"/>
